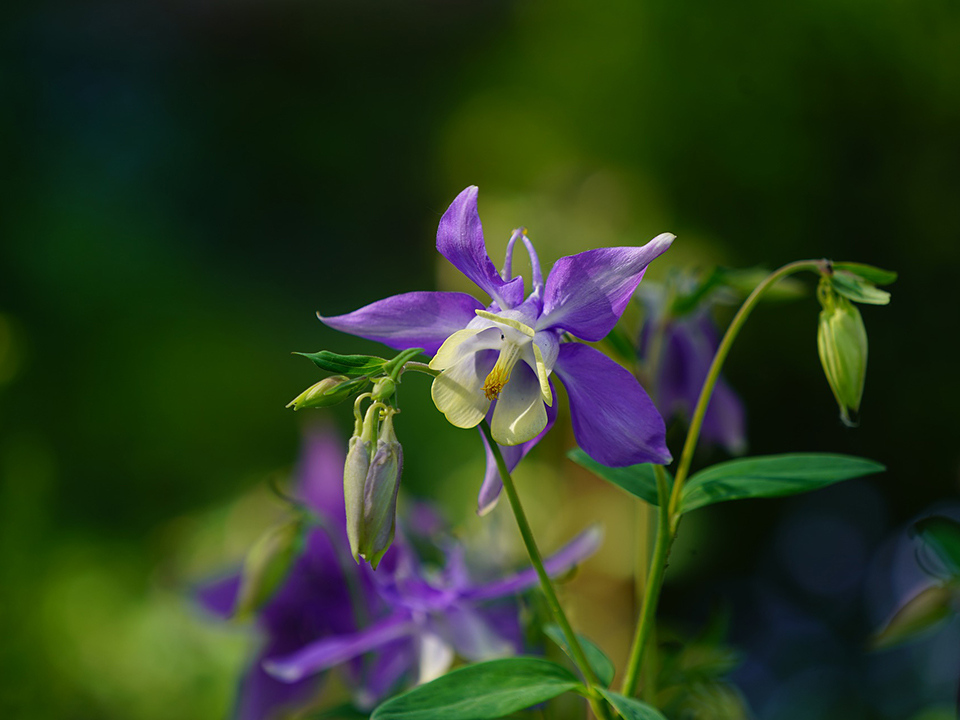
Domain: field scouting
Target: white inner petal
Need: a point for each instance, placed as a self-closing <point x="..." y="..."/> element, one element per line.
<point x="465" y="342"/>
<point x="520" y="414"/>
<point x="458" y="391"/>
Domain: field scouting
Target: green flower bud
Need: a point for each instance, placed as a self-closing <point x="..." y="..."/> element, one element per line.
<point x="380" y="495"/>
<point x="327" y="392"/>
<point x="384" y="389"/>
<point x="842" y="343"/>
<point x="355" y="475"/>
<point x="267" y="565"/>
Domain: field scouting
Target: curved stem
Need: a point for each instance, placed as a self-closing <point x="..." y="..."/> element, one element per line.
<point x="693" y="434"/>
<point x="590" y="678"/>
<point x="651" y="595"/>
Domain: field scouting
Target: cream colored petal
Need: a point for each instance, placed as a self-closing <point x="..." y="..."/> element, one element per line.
<point x="458" y="393"/>
<point x="542" y="377"/>
<point x="520" y="414"/>
<point x="465" y="342"/>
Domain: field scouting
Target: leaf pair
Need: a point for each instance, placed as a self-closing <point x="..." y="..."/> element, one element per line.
<point x="758" y="477"/>
<point x="497" y="688"/>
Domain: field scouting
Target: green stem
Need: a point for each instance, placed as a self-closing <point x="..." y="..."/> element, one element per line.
<point x="590" y="678"/>
<point x="651" y="595"/>
<point x="693" y="434"/>
<point x="669" y="514"/>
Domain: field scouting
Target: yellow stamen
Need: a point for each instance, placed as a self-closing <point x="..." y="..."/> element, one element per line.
<point x="500" y="375"/>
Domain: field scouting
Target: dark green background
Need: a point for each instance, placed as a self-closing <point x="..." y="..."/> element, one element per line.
<point x="186" y="183"/>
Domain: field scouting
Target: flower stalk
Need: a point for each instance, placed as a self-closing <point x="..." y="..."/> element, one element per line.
<point x="533" y="551"/>
<point x="669" y="512"/>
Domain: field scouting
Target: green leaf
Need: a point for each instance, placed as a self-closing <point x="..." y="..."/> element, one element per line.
<point x="919" y="613"/>
<point x="868" y="272"/>
<point x="771" y="476"/>
<point x="631" y="708"/>
<point x="638" y="480"/>
<point x="478" y="692"/>
<point x="942" y="535"/>
<point x="600" y="664"/>
<point x="861" y="291"/>
<point x="345" y="364"/>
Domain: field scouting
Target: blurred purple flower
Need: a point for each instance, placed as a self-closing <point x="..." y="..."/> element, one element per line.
<point x="496" y="360"/>
<point x="419" y="617"/>
<point x="687" y="346"/>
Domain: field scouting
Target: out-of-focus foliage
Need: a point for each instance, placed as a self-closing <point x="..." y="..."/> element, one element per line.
<point x="185" y="184"/>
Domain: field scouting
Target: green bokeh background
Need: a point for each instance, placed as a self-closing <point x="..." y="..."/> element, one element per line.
<point x="186" y="183"/>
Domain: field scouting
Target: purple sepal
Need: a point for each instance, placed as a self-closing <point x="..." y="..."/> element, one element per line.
<point x="512" y="455"/>
<point x="689" y="345"/>
<point x="415" y="319"/>
<point x="586" y="293"/>
<point x="262" y="697"/>
<point x="577" y="550"/>
<point x="333" y="650"/>
<point x="614" y="420"/>
<point x="460" y="240"/>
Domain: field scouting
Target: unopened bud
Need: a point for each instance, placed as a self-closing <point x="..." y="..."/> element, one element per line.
<point x="327" y="392"/>
<point x="380" y="495"/>
<point x="267" y="565"/>
<point x="842" y="343"/>
<point x="384" y="388"/>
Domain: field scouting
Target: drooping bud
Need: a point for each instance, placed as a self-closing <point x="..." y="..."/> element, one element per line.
<point x="267" y="565"/>
<point x="355" y="475"/>
<point x="842" y="343"/>
<point x="327" y="392"/>
<point x="380" y="494"/>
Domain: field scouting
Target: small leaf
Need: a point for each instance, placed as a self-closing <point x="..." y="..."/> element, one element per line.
<point x="267" y="564"/>
<point x="942" y="535"/>
<point x="861" y="291"/>
<point x="478" y="692"/>
<point x="772" y="476"/>
<point x="638" y="480"/>
<point x="873" y="274"/>
<point x="919" y="613"/>
<point x="631" y="708"/>
<point x="346" y="364"/>
<point x="600" y="664"/>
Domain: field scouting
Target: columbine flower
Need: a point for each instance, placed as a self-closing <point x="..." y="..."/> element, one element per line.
<point x="435" y="616"/>
<point x="686" y="347"/>
<point x="411" y="618"/>
<point x="496" y="361"/>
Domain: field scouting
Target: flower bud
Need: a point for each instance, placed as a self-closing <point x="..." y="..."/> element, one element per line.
<point x="384" y="388"/>
<point x="380" y="495"/>
<point x="842" y="343"/>
<point x="355" y="475"/>
<point x="327" y="392"/>
<point x="267" y="564"/>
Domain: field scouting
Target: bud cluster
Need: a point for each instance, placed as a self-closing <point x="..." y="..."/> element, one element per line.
<point x="371" y="480"/>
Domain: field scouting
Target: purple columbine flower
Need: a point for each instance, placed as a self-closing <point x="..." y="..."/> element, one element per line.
<point x="411" y="618"/>
<point x="687" y="345"/>
<point x="435" y="616"/>
<point x="496" y="360"/>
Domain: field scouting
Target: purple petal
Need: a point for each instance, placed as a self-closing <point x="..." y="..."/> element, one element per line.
<point x="460" y="240"/>
<point x="320" y="471"/>
<point x="393" y="661"/>
<point x="415" y="319"/>
<point x="512" y="455"/>
<point x="575" y="551"/>
<point x="219" y="597"/>
<point x="261" y="696"/>
<point x="337" y="649"/>
<point x="614" y="420"/>
<point x="587" y="293"/>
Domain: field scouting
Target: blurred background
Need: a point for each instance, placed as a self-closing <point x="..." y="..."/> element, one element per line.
<point x="187" y="183"/>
